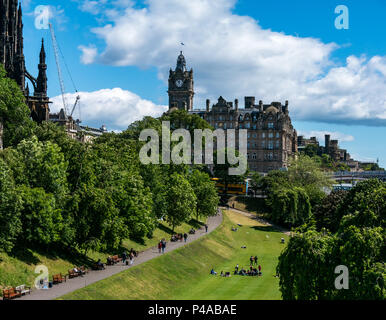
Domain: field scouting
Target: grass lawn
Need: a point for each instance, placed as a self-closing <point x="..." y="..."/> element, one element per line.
<point x="184" y="273"/>
<point x="19" y="267"/>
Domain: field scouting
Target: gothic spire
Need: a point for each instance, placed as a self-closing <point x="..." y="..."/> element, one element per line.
<point x="41" y="88"/>
<point x="181" y="63"/>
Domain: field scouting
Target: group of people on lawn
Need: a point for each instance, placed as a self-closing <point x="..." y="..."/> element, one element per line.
<point x="252" y="271"/>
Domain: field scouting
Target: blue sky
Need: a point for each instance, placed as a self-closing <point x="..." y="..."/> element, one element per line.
<point x="119" y="53"/>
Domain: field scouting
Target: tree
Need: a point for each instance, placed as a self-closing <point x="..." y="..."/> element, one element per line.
<point x="305" y="172"/>
<point x="40" y="217"/>
<point x="43" y="167"/>
<point x="311" y="150"/>
<point x="181" y="200"/>
<point x="307" y="264"/>
<point x="206" y="194"/>
<point x="290" y="206"/>
<point x="305" y="267"/>
<point x="325" y="213"/>
<point x="10" y="206"/>
<point x="14" y="113"/>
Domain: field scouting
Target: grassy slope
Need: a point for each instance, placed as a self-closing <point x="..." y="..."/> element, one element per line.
<point x="184" y="273"/>
<point x="19" y="267"/>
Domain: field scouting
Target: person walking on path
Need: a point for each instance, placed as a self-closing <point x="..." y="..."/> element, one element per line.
<point x="124" y="257"/>
<point x="185" y="236"/>
<point x="159" y="246"/>
<point x="206" y="228"/>
<point x="163" y="245"/>
<point x="131" y="257"/>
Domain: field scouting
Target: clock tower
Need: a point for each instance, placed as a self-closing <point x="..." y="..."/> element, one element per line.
<point x="181" y="86"/>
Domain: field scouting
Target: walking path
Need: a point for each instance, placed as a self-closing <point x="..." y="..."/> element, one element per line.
<point x="93" y="276"/>
<point x="255" y="217"/>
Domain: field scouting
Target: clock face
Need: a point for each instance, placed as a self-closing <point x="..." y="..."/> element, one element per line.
<point x="179" y="83"/>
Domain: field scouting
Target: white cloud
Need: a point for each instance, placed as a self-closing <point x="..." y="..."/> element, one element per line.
<point x="234" y="57"/>
<point x="116" y="108"/>
<point x="334" y="135"/>
<point x="88" y="54"/>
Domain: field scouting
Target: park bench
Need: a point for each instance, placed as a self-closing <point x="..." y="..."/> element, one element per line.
<point x="11" y="293"/>
<point x="97" y="266"/>
<point x="83" y="269"/>
<point x="23" y="289"/>
<point x="72" y="274"/>
<point x="116" y="259"/>
<point x="58" y="278"/>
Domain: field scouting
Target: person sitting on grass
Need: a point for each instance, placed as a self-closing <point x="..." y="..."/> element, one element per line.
<point x="222" y="274"/>
<point x="213" y="272"/>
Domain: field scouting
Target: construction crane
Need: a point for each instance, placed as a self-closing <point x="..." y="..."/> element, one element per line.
<point x="61" y="82"/>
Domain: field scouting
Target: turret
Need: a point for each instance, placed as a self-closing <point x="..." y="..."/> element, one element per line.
<point x="41" y="88"/>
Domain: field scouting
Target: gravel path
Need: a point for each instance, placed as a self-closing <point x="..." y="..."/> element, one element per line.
<point x="93" y="276"/>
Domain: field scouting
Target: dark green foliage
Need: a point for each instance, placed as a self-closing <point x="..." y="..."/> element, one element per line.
<point x="14" y="113"/>
<point x="180" y="199"/>
<point x="56" y="191"/>
<point x="357" y="219"/>
<point x="290" y="207"/>
<point x="325" y="213"/>
<point x="40" y="217"/>
<point x="10" y="206"/>
<point x="206" y="193"/>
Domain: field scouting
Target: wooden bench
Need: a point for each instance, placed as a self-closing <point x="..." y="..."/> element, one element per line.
<point x="97" y="266"/>
<point x="72" y="274"/>
<point x="116" y="259"/>
<point x="83" y="269"/>
<point x="23" y="289"/>
<point x="11" y="293"/>
<point x="58" y="278"/>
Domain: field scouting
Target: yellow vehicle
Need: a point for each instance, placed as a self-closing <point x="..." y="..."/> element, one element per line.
<point x="233" y="188"/>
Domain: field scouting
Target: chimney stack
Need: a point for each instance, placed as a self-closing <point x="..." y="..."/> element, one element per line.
<point x="236" y="104"/>
<point x="207" y="105"/>
<point x="260" y="105"/>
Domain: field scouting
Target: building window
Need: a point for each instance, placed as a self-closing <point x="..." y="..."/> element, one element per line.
<point x="263" y="135"/>
<point x="277" y="144"/>
<point x="231" y="125"/>
<point x="270" y="135"/>
<point x="225" y="125"/>
<point x="270" y="145"/>
<point x="249" y="135"/>
<point x="240" y="126"/>
<point x="270" y="125"/>
<point x="263" y="144"/>
<point x="247" y="125"/>
<point x="254" y="126"/>
<point x="254" y="135"/>
<point x="254" y="156"/>
<point x="277" y="135"/>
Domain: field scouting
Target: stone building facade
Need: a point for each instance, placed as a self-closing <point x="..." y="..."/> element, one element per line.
<point x="272" y="140"/>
